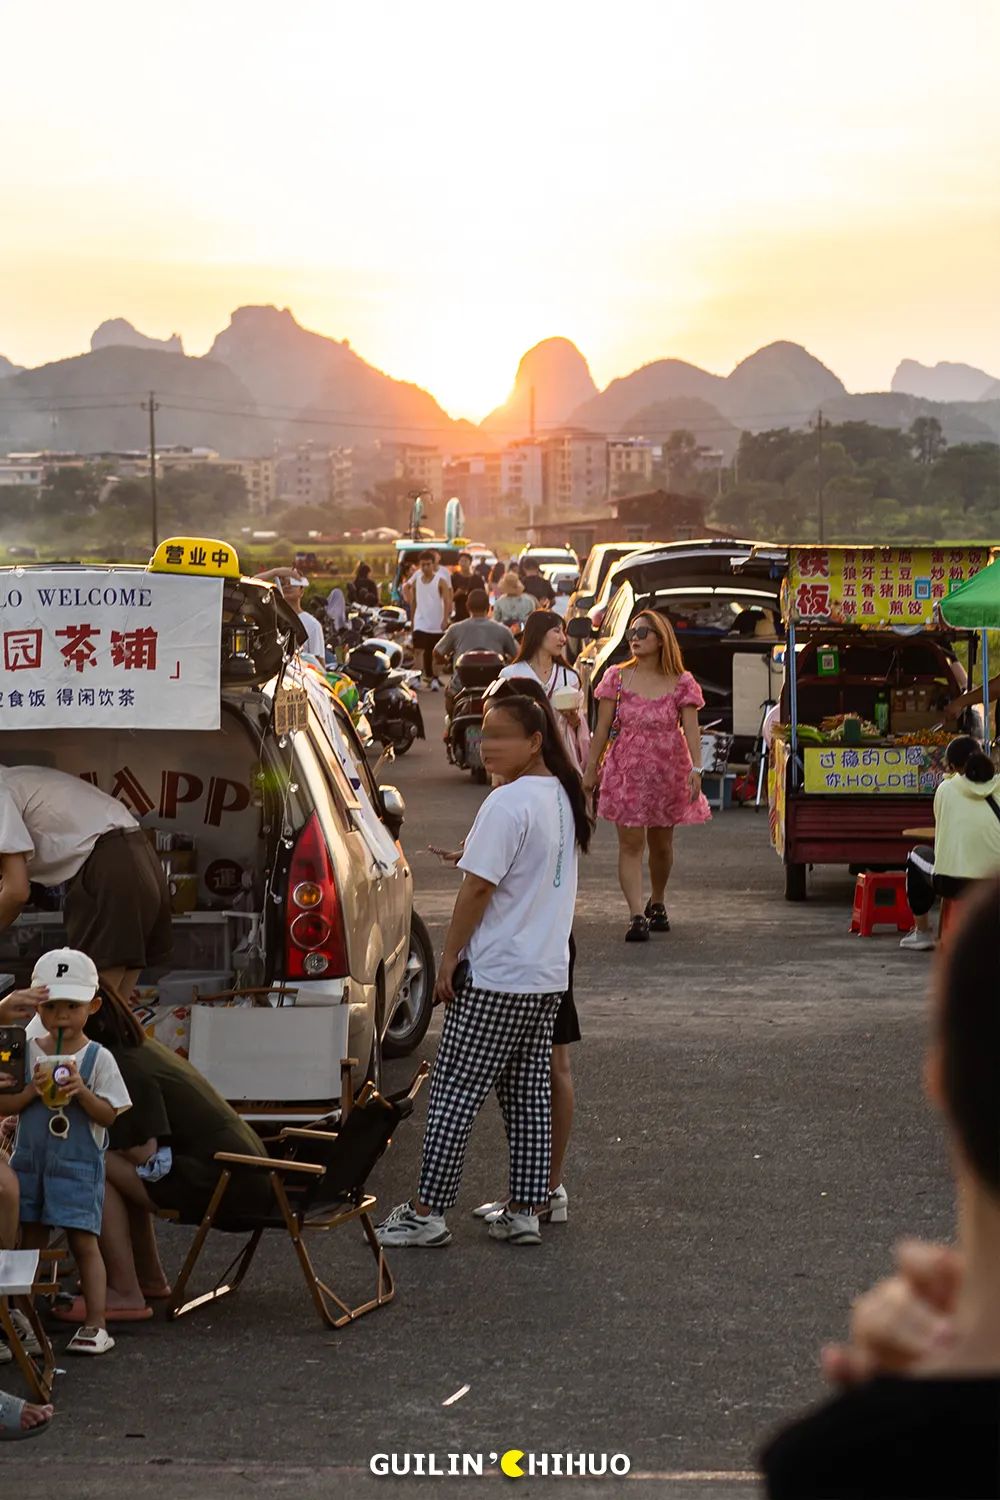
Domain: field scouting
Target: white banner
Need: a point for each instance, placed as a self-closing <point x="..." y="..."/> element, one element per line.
<point x="99" y="650"/>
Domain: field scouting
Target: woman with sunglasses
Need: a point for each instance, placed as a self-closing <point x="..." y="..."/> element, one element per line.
<point x="650" y="781"/>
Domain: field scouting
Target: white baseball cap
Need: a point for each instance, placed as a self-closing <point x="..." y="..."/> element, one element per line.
<point x="293" y="581"/>
<point x="67" y="974"/>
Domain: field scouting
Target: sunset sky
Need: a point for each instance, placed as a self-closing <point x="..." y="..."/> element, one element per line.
<point x="446" y="184"/>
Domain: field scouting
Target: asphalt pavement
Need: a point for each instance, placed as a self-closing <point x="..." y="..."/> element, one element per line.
<point x="750" y="1140"/>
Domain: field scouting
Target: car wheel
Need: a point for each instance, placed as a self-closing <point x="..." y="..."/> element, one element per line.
<point x="401" y="746"/>
<point x="412" y="1015"/>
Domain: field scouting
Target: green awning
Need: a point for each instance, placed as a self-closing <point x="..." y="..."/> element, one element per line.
<point x="975" y="604"/>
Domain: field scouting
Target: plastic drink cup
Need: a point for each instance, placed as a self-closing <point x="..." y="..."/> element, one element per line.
<point x="50" y="1087"/>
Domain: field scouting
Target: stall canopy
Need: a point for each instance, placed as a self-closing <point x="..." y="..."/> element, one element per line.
<point x="975" y="604"/>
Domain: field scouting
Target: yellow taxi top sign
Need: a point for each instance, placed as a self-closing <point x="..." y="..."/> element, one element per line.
<point x="200" y="556"/>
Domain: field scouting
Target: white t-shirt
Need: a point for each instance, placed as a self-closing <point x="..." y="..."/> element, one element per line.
<point x="524" y="842"/>
<point x="54" y="819"/>
<point x="106" y="1080"/>
<point x="559" y="677"/>
<point x="316" y="644"/>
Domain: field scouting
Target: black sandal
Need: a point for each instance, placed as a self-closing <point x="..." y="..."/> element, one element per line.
<point x="656" y="916"/>
<point x="638" y="931"/>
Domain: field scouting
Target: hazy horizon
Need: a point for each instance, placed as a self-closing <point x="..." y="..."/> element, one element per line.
<point x="447" y="188"/>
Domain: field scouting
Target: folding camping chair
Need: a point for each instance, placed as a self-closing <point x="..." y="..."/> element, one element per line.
<point x="19" y="1286"/>
<point x="317" y="1179"/>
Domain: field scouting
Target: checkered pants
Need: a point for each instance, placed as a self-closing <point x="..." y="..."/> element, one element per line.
<point x="491" y="1040"/>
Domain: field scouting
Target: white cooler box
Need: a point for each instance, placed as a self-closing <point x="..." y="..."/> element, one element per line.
<point x="284" y="1054"/>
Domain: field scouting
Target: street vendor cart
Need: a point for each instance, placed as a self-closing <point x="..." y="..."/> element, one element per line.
<point x="870" y="667"/>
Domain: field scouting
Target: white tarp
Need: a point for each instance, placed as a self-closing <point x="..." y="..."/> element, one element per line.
<point x="85" y="649"/>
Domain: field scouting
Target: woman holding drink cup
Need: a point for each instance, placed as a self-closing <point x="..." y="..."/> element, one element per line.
<point x="540" y="659"/>
<point x="76" y="1092"/>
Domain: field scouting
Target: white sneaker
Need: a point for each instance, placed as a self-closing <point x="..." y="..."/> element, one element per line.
<point x="557" y="1212"/>
<point x="516" y="1229"/>
<point x="29" y="1343"/>
<point x="404" y="1227"/>
<point x="435" y="685"/>
<point x="917" y="941"/>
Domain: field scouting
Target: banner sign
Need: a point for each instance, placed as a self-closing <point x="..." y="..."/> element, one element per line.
<point x="876" y="586"/>
<point x="106" y="650"/>
<point x="904" y="770"/>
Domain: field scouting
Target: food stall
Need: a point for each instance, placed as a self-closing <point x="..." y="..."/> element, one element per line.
<point x="870" y="666"/>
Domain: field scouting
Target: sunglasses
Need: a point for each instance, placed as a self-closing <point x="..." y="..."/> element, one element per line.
<point x="640" y="632"/>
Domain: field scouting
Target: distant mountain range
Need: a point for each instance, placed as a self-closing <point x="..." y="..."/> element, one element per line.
<point x="267" y="379"/>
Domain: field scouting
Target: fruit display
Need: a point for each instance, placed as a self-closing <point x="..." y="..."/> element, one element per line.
<point x="832" y="728"/>
<point x="831" y="732"/>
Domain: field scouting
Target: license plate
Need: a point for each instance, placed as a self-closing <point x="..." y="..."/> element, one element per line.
<point x="473" y="748"/>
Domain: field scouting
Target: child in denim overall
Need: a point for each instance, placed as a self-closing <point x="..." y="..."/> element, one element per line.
<point x="59" y="1154"/>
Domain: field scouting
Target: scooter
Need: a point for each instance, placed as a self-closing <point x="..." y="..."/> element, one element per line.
<point x="390" y="700"/>
<point x="464" y="726"/>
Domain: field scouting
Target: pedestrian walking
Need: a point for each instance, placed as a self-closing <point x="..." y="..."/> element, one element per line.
<point x="567" y="1024"/>
<point x="428" y="596"/>
<point x="541" y="658"/>
<point x="503" y="973"/>
<point x="650" y="777"/>
<point x="512" y="605"/>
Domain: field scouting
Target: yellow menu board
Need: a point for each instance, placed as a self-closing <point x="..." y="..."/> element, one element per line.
<point x="900" y="769"/>
<point x="875" y="586"/>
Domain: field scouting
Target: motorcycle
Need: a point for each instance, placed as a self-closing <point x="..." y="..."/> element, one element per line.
<point x="475" y="671"/>
<point x="389" y="698"/>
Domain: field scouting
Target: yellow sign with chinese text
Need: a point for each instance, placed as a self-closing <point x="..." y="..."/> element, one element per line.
<point x="200" y="556"/>
<point x="876" y="586"/>
<point x="904" y="770"/>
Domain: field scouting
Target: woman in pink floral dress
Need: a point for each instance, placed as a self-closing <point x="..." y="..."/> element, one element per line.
<point x="650" y="780"/>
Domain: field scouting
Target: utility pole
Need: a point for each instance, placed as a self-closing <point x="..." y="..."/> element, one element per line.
<point x="819" y="472"/>
<point x="152" y="406"/>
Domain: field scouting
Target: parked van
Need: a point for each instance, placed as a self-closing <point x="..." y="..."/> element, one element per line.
<point x="283" y="857"/>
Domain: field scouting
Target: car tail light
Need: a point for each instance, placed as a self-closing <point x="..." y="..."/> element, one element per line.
<point x="315" y="942"/>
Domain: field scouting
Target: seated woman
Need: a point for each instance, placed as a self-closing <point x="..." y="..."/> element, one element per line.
<point x="921" y="1420"/>
<point x="966" y="836"/>
<point x="173" y="1107"/>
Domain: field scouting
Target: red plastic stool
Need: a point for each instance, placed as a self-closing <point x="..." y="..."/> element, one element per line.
<point x="880" y="899"/>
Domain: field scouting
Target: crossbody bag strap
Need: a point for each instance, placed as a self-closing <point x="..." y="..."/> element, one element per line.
<point x="993" y="807"/>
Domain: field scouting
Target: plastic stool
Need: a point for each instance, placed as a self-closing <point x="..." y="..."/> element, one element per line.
<point x="880" y="899"/>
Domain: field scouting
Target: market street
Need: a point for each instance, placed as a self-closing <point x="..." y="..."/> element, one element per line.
<point x="750" y="1140"/>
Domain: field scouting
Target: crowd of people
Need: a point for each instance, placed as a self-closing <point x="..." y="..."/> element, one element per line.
<point x="108" y="1127"/>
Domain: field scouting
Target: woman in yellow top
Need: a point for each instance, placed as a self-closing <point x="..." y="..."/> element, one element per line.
<point x="966" y="836"/>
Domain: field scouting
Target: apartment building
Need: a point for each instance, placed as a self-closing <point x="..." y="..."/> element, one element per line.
<point x="498" y="484"/>
<point x="630" y="466"/>
<point x="311" y="474"/>
<point x="421" y="465"/>
<point x="574" y="470"/>
<point x="24" y="468"/>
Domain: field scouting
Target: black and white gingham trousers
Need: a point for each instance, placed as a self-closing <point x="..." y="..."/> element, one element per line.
<point x="491" y="1040"/>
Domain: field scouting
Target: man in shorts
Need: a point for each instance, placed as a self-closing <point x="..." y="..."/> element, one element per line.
<point x="56" y="829"/>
